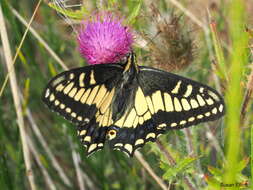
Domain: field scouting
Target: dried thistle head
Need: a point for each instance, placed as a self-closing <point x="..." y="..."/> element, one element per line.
<point x="172" y="47"/>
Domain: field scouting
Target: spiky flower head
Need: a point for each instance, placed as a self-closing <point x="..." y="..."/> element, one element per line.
<point x="104" y="39"/>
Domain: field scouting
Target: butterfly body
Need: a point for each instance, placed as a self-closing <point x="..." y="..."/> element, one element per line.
<point x="129" y="105"/>
<point x="124" y="91"/>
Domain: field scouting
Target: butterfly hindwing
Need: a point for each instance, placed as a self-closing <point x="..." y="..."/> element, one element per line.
<point x="130" y="139"/>
<point x="75" y="94"/>
<point x="92" y="136"/>
<point x="135" y="127"/>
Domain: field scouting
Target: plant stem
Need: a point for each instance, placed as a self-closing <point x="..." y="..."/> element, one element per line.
<point x="234" y="91"/>
<point x="17" y="101"/>
<point x="36" y="155"/>
<point x="144" y="163"/>
<point x="13" y="61"/>
<point x="40" y="39"/>
<point x="76" y="160"/>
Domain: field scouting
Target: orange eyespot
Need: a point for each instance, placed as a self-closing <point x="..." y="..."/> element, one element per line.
<point x="111" y="134"/>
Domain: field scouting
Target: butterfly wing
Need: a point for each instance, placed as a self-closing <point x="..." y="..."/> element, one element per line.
<point x="158" y="101"/>
<point x="83" y="96"/>
<point x="75" y="94"/>
<point x="179" y="102"/>
<point x="164" y="101"/>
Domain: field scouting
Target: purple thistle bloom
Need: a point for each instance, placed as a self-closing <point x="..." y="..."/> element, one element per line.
<point x="104" y="39"/>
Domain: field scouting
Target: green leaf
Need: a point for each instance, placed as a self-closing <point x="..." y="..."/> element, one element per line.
<point x="218" y="52"/>
<point x="243" y="164"/>
<point x="135" y="12"/>
<point x="181" y="166"/>
<point x="22" y="58"/>
<point x="52" y="69"/>
<point x="26" y="94"/>
<point x="44" y="161"/>
<point x="78" y="14"/>
<point x="214" y="171"/>
<point x="6" y="181"/>
<point x="212" y="182"/>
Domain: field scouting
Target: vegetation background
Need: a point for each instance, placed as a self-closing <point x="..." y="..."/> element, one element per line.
<point x="205" y="40"/>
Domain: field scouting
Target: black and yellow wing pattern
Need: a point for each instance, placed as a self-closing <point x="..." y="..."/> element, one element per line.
<point x="164" y="101"/>
<point x="82" y="96"/>
<point x="128" y="108"/>
<point x="75" y="94"/>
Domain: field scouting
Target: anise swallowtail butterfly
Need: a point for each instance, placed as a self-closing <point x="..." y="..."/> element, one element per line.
<point x="128" y="105"/>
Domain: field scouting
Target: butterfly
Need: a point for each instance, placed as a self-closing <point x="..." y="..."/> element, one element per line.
<point x="128" y="105"/>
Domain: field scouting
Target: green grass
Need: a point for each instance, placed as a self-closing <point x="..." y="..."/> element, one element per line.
<point x="201" y="157"/>
<point x="238" y="61"/>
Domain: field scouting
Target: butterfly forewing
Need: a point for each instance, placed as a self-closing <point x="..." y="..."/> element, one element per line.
<point x="75" y="94"/>
<point x="179" y="102"/>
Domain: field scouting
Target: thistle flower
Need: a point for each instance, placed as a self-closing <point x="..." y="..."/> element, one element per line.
<point x="104" y="39"/>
